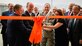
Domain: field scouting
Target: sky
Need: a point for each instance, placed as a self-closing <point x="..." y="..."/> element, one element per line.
<point x="40" y="3"/>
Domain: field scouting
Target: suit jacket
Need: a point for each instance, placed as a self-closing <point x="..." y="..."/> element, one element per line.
<point x="73" y="26"/>
<point x="36" y="14"/>
<point x="28" y="23"/>
<point x="66" y="13"/>
<point x="76" y="30"/>
<point x="16" y="28"/>
<point x="4" y="22"/>
<point x="80" y="27"/>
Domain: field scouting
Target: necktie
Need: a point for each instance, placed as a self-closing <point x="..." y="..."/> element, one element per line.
<point x="74" y="22"/>
<point x="71" y="23"/>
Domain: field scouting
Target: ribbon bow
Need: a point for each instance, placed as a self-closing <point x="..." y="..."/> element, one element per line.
<point x="36" y="34"/>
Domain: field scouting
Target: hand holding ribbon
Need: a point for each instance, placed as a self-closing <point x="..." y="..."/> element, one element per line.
<point x="36" y="34"/>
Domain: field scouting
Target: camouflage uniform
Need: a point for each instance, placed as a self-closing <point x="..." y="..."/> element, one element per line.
<point x="48" y="36"/>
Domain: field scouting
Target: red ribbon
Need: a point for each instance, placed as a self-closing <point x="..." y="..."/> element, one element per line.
<point x="36" y="34"/>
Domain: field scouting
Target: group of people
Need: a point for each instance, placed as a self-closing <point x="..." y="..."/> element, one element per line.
<point x="56" y="32"/>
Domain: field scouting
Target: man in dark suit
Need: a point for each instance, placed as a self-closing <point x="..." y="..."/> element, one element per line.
<point x="74" y="27"/>
<point x="36" y="11"/>
<point x="70" y="9"/>
<point x="4" y="23"/>
<point x="80" y="23"/>
<point x="30" y="13"/>
<point x="80" y="28"/>
<point x="68" y="13"/>
<point x="17" y="32"/>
